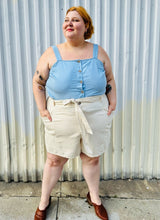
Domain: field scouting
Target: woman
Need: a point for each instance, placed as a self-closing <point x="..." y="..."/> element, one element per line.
<point x="77" y="114"/>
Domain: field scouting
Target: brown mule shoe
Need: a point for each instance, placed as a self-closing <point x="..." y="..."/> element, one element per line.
<point x="41" y="214"/>
<point x="99" y="209"/>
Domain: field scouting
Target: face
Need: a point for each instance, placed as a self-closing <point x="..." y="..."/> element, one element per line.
<point x="74" y="26"/>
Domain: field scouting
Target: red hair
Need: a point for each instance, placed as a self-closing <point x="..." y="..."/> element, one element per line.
<point x="86" y="18"/>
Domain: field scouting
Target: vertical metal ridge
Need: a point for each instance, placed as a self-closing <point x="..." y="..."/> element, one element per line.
<point x="31" y="151"/>
<point x="46" y="18"/>
<point x="117" y="153"/>
<point x="154" y="41"/>
<point x="20" y="120"/>
<point x="4" y="136"/>
<point x="97" y="21"/>
<point x="157" y="126"/>
<point x="56" y="22"/>
<point x="126" y="85"/>
<point x="38" y="51"/>
<point x="144" y="110"/>
<point x="134" y="72"/>
<point x="13" y="169"/>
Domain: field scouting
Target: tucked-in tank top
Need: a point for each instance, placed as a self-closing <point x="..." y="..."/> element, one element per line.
<point x="74" y="79"/>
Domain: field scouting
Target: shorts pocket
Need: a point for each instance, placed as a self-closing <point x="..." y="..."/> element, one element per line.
<point x="105" y="102"/>
<point x="109" y="119"/>
<point x="49" y="125"/>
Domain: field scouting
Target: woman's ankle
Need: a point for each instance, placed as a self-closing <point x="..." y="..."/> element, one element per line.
<point x="43" y="204"/>
<point x="95" y="198"/>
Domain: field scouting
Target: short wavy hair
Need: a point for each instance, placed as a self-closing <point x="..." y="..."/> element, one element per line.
<point x="86" y="18"/>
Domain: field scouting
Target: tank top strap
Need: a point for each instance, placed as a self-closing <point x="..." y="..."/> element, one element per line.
<point x="95" y="50"/>
<point x="57" y="54"/>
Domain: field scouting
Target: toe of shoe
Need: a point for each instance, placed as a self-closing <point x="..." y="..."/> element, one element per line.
<point x="40" y="215"/>
<point x="101" y="212"/>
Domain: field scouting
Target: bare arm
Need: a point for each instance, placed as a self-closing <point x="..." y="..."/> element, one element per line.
<point x="39" y="81"/>
<point x="110" y="80"/>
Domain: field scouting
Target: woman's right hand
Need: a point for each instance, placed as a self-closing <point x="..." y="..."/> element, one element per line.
<point x="45" y="113"/>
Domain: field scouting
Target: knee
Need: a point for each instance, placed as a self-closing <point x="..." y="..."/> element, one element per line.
<point x="55" y="161"/>
<point x="94" y="161"/>
<point x="89" y="160"/>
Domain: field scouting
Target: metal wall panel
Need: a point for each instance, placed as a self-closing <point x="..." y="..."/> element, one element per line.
<point x="129" y="30"/>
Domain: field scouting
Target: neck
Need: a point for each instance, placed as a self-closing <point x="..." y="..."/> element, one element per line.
<point x="75" y="44"/>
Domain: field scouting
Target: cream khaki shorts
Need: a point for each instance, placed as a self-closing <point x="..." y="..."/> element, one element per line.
<point x="78" y="125"/>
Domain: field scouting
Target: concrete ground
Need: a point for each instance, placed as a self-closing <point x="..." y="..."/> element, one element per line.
<point x="123" y="199"/>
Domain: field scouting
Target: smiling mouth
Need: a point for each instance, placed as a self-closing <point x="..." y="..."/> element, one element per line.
<point x="69" y="29"/>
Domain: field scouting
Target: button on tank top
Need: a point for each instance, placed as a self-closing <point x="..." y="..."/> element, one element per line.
<point x="74" y="79"/>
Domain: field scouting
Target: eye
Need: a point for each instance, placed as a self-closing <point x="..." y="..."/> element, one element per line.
<point x="75" y="20"/>
<point x="66" y="20"/>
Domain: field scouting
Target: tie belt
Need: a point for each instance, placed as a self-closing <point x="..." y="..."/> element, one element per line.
<point x="78" y="112"/>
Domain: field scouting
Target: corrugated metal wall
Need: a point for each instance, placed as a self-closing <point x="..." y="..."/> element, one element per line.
<point x="129" y="30"/>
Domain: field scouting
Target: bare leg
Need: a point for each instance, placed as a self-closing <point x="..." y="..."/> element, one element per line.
<point x="91" y="172"/>
<point x="51" y="174"/>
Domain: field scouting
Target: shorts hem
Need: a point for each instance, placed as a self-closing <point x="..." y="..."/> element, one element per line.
<point x="63" y="155"/>
<point x="94" y="155"/>
<point x="72" y="156"/>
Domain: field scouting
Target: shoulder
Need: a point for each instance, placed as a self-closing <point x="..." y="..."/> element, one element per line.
<point x="46" y="54"/>
<point x="102" y="54"/>
<point x="48" y="57"/>
<point x="104" y="58"/>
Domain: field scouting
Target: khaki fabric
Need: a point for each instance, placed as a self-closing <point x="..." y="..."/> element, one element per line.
<point x="78" y="125"/>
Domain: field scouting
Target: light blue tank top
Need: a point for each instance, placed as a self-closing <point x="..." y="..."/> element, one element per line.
<point x="76" y="78"/>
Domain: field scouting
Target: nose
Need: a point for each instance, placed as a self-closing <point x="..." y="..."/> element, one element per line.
<point x="70" y="23"/>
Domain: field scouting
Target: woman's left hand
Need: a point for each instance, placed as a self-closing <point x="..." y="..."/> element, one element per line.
<point x="110" y="109"/>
